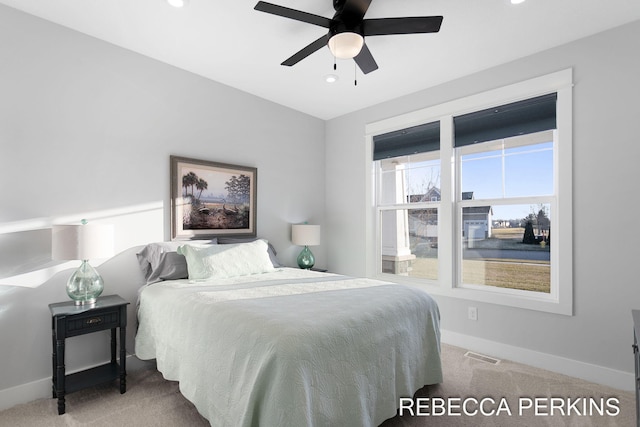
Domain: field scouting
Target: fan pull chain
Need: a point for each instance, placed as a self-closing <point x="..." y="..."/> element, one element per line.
<point x="334" y="64"/>
<point x="355" y="74"/>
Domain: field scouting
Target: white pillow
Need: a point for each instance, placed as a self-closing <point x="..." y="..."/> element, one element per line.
<point x="222" y="261"/>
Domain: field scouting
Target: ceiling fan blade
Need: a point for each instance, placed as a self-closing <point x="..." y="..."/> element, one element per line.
<point x="298" y="15"/>
<point x="409" y="25"/>
<point x="306" y="51"/>
<point x="365" y="60"/>
<point x="355" y="9"/>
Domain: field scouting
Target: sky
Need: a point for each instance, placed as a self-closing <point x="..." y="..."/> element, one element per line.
<point x="522" y="171"/>
<point x="516" y="172"/>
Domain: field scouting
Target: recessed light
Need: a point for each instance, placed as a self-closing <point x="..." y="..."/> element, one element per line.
<point x="330" y="78"/>
<point x="177" y="3"/>
<point x="517" y="1"/>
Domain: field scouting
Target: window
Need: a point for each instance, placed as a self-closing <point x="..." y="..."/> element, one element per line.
<point x="505" y="243"/>
<point x="408" y="197"/>
<point x="473" y="198"/>
<point x="409" y="215"/>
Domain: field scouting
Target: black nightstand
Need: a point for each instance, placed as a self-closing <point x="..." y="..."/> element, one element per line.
<point x="70" y="320"/>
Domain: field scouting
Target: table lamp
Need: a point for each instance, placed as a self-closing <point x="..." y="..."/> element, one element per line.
<point x="83" y="242"/>
<point x="305" y="235"/>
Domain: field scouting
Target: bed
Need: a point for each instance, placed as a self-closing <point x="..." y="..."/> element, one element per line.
<point x="284" y="346"/>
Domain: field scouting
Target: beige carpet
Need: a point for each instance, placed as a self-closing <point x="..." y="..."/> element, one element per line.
<point x="152" y="401"/>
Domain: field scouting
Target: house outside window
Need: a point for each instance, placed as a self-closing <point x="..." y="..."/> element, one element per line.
<point x="474" y="201"/>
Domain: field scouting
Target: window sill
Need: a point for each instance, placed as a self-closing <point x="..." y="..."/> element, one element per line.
<point x="506" y="297"/>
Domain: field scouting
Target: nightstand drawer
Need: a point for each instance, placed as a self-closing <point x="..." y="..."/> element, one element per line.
<point x="92" y="322"/>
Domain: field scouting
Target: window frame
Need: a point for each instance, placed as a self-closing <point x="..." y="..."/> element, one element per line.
<point x="560" y="300"/>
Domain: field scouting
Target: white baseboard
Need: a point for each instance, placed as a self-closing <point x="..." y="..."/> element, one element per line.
<point x="41" y="389"/>
<point x="598" y="374"/>
<point x="24" y="393"/>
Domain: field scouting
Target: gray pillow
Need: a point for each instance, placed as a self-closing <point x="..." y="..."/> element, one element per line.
<point x="172" y="266"/>
<point x="161" y="261"/>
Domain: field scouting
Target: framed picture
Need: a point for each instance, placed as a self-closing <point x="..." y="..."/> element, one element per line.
<point x="210" y="199"/>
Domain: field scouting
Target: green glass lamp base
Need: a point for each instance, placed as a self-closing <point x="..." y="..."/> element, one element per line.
<point x="306" y="259"/>
<point x="85" y="285"/>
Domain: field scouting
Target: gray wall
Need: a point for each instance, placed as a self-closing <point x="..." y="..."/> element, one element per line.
<point x="86" y="130"/>
<point x="605" y="175"/>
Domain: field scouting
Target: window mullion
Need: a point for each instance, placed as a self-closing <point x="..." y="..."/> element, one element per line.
<point x="409" y="206"/>
<point x="529" y="200"/>
<point x="446" y="217"/>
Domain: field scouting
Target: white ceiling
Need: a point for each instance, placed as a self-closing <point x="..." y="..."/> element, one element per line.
<point x="233" y="44"/>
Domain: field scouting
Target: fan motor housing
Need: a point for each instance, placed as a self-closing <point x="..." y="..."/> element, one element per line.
<point x="338" y="26"/>
<point x="338" y="4"/>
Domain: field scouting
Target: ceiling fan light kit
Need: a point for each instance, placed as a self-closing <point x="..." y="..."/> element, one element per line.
<point x="348" y="29"/>
<point x="346" y="45"/>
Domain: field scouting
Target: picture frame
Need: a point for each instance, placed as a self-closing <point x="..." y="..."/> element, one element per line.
<point x="211" y="199"/>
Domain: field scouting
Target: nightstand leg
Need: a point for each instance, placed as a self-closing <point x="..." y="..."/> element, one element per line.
<point x="113" y="345"/>
<point x="123" y="359"/>
<point x="58" y="337"/>
<point x="53" y="360"/>
<point x="60" y="373"/>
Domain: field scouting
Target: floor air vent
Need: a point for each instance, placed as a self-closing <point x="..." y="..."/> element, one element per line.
<point x="482" y="358"/>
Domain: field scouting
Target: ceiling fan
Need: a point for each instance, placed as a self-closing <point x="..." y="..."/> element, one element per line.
<point x="348" y="28"/>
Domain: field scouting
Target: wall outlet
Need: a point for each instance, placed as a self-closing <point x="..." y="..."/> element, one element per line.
<point x="472" y="313"/>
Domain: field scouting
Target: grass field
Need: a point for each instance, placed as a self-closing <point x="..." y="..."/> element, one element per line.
<point x="508" y="233"/>
<point x="503" y="273"/>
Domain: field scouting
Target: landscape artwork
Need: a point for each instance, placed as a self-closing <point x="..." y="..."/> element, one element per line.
<point x="210" y="199"/>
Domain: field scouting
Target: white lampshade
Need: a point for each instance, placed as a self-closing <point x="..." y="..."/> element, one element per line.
<point x="305" y="235"/>
<point x="83" y="242"/>
<point x="346" y="45"/>
<point x="87" y="241"/>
